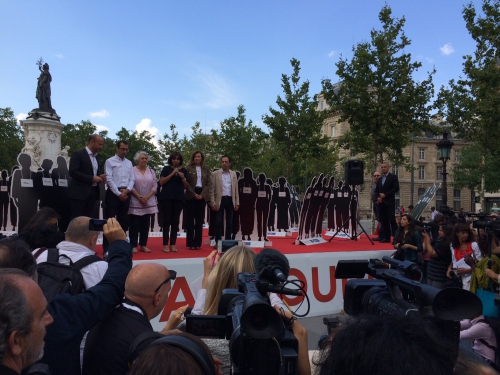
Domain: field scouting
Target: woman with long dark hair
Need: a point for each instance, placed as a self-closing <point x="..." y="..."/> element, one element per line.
<point x="197" y="194"/>
<point x="407" y="240"/>
<point x="440" y="256"/>
<point x="463" y="248"/>
<point x="173" y="179"/>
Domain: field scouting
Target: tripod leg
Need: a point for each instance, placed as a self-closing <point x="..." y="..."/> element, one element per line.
<point x="364" y="231"/>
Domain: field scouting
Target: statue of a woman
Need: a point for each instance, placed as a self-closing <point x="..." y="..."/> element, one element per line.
<point x="43" y="88"/>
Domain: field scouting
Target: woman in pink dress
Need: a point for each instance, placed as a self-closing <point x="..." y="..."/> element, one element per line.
<point x="142" y="202"/>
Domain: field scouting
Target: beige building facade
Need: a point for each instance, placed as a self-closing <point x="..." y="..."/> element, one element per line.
<point x="428" y="169"/>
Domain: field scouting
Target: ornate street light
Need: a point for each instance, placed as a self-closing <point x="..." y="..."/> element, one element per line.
<point x="444" y="150"/>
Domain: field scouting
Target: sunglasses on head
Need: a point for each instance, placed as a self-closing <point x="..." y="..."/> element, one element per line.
<point x="172" y="276"/>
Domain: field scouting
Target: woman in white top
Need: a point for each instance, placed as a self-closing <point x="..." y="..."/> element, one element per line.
<point x="142" y="202"/>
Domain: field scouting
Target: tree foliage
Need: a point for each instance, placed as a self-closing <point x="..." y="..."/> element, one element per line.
<point x="472" y="104"/>
<point x="378" y="96"/>
<point x="467" y="174"/>
<point x="295" y="128"/>
<point x="11" y="141"/>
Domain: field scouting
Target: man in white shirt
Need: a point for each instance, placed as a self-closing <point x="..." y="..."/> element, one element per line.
<point x="224" y="197"/>
<point x="80" y="242"/>
<point x="120" y="181"/>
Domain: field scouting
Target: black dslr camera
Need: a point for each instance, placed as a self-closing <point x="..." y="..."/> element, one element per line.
<point x="259" y="342"/>
<point x="483" y="221"/>
<point x="383" y="296"/>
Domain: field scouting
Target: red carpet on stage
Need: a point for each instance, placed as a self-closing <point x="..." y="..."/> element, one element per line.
<point x="284" y="244"/>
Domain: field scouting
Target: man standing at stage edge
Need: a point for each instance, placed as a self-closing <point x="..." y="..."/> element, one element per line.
<point x="224" y="197"/>
<point x="120" y="181"/>
<point x="386" y="189"/>
<point x="84" y="184"/>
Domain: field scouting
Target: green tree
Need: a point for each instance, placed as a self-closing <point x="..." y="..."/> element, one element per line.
<point x="378" y="96"/>
<point x="295" y="128"/>
<point x="472" y="103"/>
<point x="142" y="141"/>
<point x="171" y="142"/>
<point x="199" y="141"/>
<point x="240" y="140"/>
<point x="76" y="136"/>
<point x="467" y="174"/>
<point x="12" y="140"/>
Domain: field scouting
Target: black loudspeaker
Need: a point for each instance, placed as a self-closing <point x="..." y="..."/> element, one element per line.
<point x="354" y="172"/>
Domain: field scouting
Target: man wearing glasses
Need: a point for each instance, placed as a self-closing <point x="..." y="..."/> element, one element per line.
<point x="146" y="292"/>
<point x="120" y="181"/>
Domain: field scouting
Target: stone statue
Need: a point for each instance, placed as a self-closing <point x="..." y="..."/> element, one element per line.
<point x="65" y="153"/>
<point x="43" y="88"/>
<point x="33" y="149"/>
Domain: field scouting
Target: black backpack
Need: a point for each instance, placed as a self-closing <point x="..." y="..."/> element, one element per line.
<point x="56" y="278"/>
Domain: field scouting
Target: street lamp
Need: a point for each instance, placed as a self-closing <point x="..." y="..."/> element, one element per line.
<point x="444" y="150"/>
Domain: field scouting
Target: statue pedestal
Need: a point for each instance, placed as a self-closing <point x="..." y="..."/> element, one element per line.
<point x="42" y="137"/>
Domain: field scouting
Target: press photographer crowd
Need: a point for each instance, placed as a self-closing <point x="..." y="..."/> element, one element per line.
<point x="430" y="308"/>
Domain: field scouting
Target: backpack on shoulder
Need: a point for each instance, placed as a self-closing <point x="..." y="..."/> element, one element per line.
<point x="56" y="278"/>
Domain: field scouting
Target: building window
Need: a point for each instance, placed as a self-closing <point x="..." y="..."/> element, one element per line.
<point x="439" y="197"/>
<point x="333" y="131"/>
<point x="421" y="154"/>
<point x="439" y="173"/>
<point x="457" y="155"/>
<point x="396" y="199"/>
<point x="421" y="192"/>
<point x="456" y="200"/>
<point x="421" y="172"/>
<point x="322" y="105"/>
<point x="395" y="170"/>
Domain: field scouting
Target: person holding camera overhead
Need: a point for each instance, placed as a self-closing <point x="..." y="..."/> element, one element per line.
<point x="464" y="253"/>
<point x="407" y="240"/>
<point x="173" y="179"/>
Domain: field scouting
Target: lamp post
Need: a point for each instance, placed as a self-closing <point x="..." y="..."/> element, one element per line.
<point x="444" y="150"/>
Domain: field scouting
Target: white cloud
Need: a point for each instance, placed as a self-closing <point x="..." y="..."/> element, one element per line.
<point x="60" y="55"/>
<point x="331" y="53"/>
<point x="21" y="116"/>
<point x="101" y="113"/>
<point x="145" y="124"/>
<point x="217" y="89"/>
<point x="100" y="128"/>
<point x="429" y="60"/>
<point x="447" y="49"/>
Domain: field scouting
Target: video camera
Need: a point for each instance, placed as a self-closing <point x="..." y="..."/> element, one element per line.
<point x="259" y="342"/>
<point x="483" y="221"/>
<point x="383" y="296"/>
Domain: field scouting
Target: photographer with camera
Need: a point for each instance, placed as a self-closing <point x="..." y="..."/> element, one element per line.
<point x="465" y="253"/>
<point x="440" y="256"/>
<point x="407" y="240"/>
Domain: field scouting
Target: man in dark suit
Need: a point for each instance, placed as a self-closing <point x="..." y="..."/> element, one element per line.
<point x="386" y="189"/>
<point x="84" y="184"/>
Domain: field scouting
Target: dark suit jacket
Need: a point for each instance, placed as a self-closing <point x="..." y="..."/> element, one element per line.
<point x="390" y="188"/>
<point x="82" y="172"/>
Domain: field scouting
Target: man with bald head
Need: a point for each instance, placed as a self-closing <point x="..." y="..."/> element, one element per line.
<point x="146" y="292"/>
<point x="79" y="243"/>
<point x="23" y="318"/>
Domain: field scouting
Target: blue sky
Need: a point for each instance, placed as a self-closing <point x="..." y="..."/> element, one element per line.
<point x="146" y="65"/>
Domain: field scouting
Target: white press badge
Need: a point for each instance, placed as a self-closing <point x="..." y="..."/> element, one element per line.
<point x="316" y="193"/>
<point x="282" y="194"/>
<point x="321" y="193"/>
<point x="63" y="182"/>
<point x="247" y="190"/>
<point x="3" y="188"/>
<point x="309" y="196"/>
<point x="26" y="182"/>
<point x="261" y="194"/>
<point x="327" y="195"/>
<point x="339" y="194"/>
<point x="47" y="181"/>
<point x="346" y="194"/>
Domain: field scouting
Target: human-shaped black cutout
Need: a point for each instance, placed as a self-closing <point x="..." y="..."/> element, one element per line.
<point x="44" y="184"/>
<point x="264" y="196"/>
<point x="12" y="206"/>
<point x="343" y="206"/>
<point x="23" y="192"/>
<point x="305" y="208"/>
<point x="236" y="214"/>
<point x="339" y="194"/>
<point x="282" y="203"/>
<point x="294" y="207"/>
<point x="313" y="211"/>
<point x="60" y="180"/>
<point x="247" y="190"/>
<point x="323" y="203"/>
<point x="272" y="207"/>
<point x="4" y="200"/>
